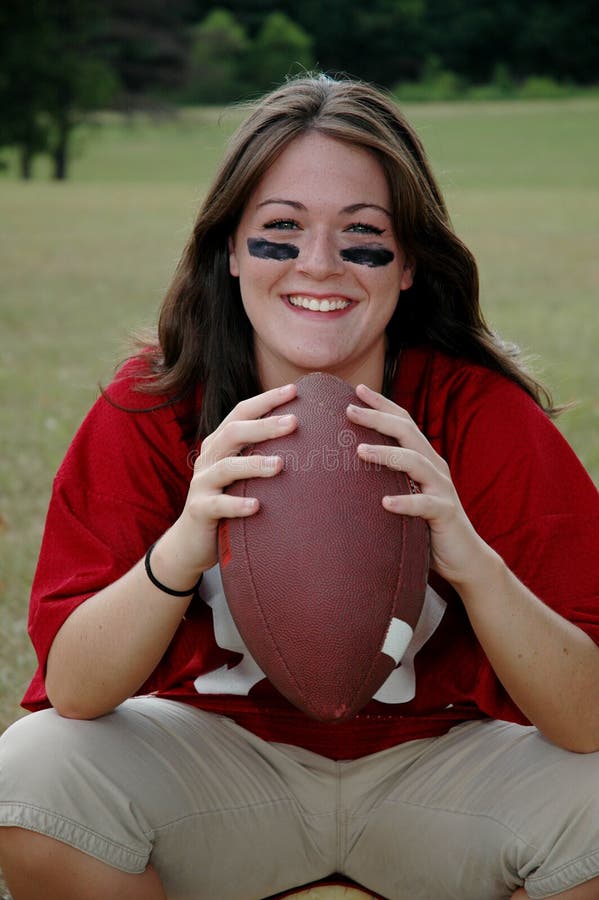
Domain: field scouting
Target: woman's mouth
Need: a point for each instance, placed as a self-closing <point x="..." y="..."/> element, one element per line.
<point x="314" y="304"/>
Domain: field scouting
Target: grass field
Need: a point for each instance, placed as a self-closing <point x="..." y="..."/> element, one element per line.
<point x="86" y="262"/>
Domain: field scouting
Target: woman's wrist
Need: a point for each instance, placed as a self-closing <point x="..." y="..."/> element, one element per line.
<point x="170" y="568"/>
<point x="486" y="568"/>
<point x="172" y="592"/>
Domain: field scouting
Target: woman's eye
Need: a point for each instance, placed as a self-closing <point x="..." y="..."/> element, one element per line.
<point x="282" y="225"/>
<point x="362" y="228"/>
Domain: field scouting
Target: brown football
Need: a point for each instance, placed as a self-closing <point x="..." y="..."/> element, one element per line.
<point x="324" y="584"/>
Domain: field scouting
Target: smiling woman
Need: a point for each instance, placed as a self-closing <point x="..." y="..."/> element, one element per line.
<point x="324" y="243"/>
<point x="336" y="287"/>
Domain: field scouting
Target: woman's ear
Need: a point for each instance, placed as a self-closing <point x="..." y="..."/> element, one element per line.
<point x="233" y="264"/>
<point x="407" y="276"/>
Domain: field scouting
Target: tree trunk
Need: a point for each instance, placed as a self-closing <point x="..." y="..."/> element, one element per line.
<point x="25" y="162"/>
<point x="60" y="154"/>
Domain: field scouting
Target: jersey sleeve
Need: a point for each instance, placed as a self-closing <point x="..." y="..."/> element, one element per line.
<point x="122" y="483"/>
<point x="529" y="496"/>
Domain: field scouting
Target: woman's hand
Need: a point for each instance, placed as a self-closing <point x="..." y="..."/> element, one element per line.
<point x="90" y="668"/>
<point x="455" y="546"/>
<point x="192" y="540"/>
<point x="548" y="665"/>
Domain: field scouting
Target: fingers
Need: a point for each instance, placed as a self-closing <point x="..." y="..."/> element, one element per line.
<point x="386" y="417"/>
<point x="245" y="425"/>
<point x="219" y="465"/>
<point x="424" y="471"/>
<point x="414" y="455"/>
<point x="260" y="405"/>
<point x="236" y="468"/>
<point x="377" y="401"/>
<point x="206" y="500"/>
<point x="231" y="438"/>
<point x="436" y="496"/>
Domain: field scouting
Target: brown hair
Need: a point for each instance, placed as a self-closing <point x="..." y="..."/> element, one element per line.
<point x="204" y="335"/>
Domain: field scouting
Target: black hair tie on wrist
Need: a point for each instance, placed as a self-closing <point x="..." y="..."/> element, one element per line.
<point x="163" y="587"/>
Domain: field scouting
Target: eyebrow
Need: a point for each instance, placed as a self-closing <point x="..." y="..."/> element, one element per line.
<point x="352" y="208"/>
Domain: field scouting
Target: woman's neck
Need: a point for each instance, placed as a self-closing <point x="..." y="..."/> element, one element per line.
<point x="274" y="373"/>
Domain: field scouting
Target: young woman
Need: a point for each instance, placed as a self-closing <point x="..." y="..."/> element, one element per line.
<point x="168" y="765"/>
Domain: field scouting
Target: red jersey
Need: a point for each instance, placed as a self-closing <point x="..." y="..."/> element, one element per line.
<point x="124" y="481"/>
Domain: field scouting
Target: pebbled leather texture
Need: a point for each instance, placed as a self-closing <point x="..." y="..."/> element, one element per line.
<point x="314" y="579"/>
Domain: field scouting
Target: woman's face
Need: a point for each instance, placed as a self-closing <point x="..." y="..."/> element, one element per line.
<point x="319" y="267"/>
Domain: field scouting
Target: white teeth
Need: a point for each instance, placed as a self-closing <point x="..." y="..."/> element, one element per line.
<point x="315" y="305"/>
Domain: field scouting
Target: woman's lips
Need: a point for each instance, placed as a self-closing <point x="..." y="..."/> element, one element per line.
<point x="321" y="305"/>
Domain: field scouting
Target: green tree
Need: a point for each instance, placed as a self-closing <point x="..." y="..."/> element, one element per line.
<point x="387" y="41"/>
<point x="19" y="102"/>
<point x="380" y="40"/>
<point x="62" y="59"/>
<point x="80" y="84"/>
<point x="218" y="50"/>
<point x="281" y="47"/>
<point x="560" y="40"/>
<point x="147" y="45"/>
<point x="543" y="37"/>
<point x="51" y="75"/>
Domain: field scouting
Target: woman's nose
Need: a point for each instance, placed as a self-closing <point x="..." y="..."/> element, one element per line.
<point x="319" y="256"/>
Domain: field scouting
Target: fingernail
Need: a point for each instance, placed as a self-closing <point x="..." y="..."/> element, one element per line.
<point x="269" y="462"/>
<point x="286" y="388"/>
<point x="284" y="421"/>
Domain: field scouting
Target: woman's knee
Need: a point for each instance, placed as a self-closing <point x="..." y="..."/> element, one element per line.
<point x="29" y="859"/>
<point x="13" y="842"/>
<point x="35" y="748"/>
<point x="68" y="780"/>
<point x="25" y="853"/>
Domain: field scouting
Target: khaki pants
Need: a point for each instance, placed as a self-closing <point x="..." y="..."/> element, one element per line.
<point x="223" y="815"/>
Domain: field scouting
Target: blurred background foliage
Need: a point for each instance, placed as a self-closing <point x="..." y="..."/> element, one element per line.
<point x="62" y="59"/>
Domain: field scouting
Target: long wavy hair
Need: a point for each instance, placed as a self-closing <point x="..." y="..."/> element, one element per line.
<point x="204" y="335"/>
